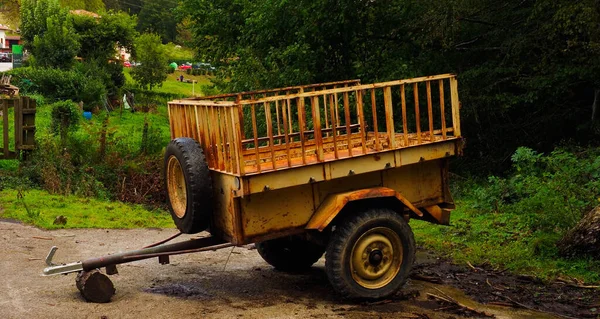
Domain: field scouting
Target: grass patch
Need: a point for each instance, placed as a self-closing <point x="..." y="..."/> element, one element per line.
<point x="39" y="208"/>
<point x="171" y="85"/>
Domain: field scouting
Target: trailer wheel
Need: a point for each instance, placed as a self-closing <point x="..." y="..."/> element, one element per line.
<point x="188" y="184"/>
<point x="370" y="254"/>
<point x="290" y="253"/>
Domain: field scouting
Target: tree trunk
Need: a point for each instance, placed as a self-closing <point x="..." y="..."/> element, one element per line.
<point x="584" y="238"/>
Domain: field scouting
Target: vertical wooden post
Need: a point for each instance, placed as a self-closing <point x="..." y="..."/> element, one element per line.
<point x="316" y="113"/>
<point x="455" y="106"/>
<point x="239" y="128"/>
<point x="417" y="112"/>
<point x="255" y="132"/>
<point x="334" y="125"/>
<point x="361" y="120"/>
<point x="221" y="139"/>
<point x="347" y="115"/>
<point x="389" y="116"/>
<point x="375" y="128"/>
<point x="19" y="104"/>
<point x="278" y="120"/>
<point x="443" y="111"/>
<point x="285" y="132"/>
<point x="325" y="112"/>
<point x="267" y="106"/>
<point x="228" y="138"/>
<point x="301" y="126"/>
<point x="5" y="128"/>
<point x="429" y="110"/>
<point x="404" y="118"/>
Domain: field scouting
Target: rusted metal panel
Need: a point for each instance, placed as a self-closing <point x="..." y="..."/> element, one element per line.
<point x="419" y="183"/>
<point x="334" y="203"/>
<point x="275" y="211"/>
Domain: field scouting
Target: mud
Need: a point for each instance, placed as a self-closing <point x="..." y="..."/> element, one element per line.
<point x="486" y="284"/>
<point x="237" y="283"/>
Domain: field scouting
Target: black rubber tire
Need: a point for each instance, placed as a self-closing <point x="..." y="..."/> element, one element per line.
<point x="343" y="239"/>
<point x="290" y="253"/>
<point x="198" y="185"/>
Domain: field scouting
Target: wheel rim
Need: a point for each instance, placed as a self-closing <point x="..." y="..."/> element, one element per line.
<point x="176" y="187"/>
<point x="376" y="258"/>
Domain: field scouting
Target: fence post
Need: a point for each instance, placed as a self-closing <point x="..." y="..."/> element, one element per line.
<point x="455" y="106"/>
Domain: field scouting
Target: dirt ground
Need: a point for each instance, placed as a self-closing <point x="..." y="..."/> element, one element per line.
<point x="237" y="283"/>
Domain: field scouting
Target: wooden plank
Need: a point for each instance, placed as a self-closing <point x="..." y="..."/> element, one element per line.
<point x="277" y="114"/>
<point x="429" y="110"/>
<point x="224" y="138"/>
<point x="301" y="105"/>
<point x="301" y="128"/>
<point x="238" y="127"/>
<point x="361" y="118"/>
<point x="347" y="115"/>
<point x="205" y="117"/>
<point x="171" y="124"/>
<point x="5" y="127"/>
<point x="289" y="115"/>
<point x="18" y="105"/>
<point x="404" y="118"/>
<point x="334" y="123"/>
<point x="417" y="112"/>
<point x="217" y="139"/>
<point x="356" y="87"/>
<point x="233" y="165"/>
<point x="441" y="84"/>
<point x="267" y="107"/>
<point x="285" y="132"/>
<point x="316" y="113"/>
<point x="375" y="128"/>
<point x="455" y="106"/>
<point x="389" y="117"/>
<point x="325" y="113"/>
<point x="255" y="132"/>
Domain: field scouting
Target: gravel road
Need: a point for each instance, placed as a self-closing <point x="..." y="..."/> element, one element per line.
<point x="229" y="283"/>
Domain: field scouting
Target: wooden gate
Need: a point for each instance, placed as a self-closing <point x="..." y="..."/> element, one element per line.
<point x="22" y="126"/>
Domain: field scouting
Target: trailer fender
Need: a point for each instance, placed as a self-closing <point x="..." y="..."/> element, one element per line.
<point x="334" y="203"/>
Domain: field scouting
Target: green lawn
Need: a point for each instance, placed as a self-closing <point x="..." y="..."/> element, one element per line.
<point x="171" y="85"/>
<point x="40" y="208"/>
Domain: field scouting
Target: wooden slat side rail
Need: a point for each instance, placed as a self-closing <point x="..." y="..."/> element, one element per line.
<point x="455" y="106"/>
<point x="356" y="87"/>
<point x="318" y="125"/>
<point x="239" y="96"/>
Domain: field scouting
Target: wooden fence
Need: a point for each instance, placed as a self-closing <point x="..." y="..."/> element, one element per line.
<point x="22" y="126"/>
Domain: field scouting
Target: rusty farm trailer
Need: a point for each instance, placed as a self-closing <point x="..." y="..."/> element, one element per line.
<point x="336" y="168"/>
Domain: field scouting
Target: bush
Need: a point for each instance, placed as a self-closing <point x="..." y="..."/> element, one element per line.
<point x="58" y="84"/>
<point x="548" y="193"/>
<point x="64" y="118"/>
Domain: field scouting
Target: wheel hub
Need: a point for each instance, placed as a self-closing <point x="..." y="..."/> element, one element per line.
<point x="176" y="187"/>
<point x="376" y="258"/>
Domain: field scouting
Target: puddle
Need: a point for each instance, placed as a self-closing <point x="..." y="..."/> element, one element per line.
<point x="180" y="291"/>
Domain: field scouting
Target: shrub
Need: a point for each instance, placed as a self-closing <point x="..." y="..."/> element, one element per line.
<point x="58" y="84"/>
<point x="64" y="118"/>
<point x="548" y="193"/>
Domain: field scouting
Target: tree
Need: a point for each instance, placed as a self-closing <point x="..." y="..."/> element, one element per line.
<point x="159" y="16"/>
<point x="48" y="32"/>
<point x="152" y="56"/>
<point x="527" y="69"/>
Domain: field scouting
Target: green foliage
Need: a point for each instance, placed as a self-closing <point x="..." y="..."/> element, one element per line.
<point x="98" y="37"/>
<point x="516" y="221"/>
<point x="65" y="118"/>
<point x="88" y="5"/>
<point x="527" y="69"/>
<point x="153" y="58"/>
<point x="159" y="17"/>
<point x="548" y="193"/>
<point x="59" y="84"/>
<point x="49" y="34"/>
